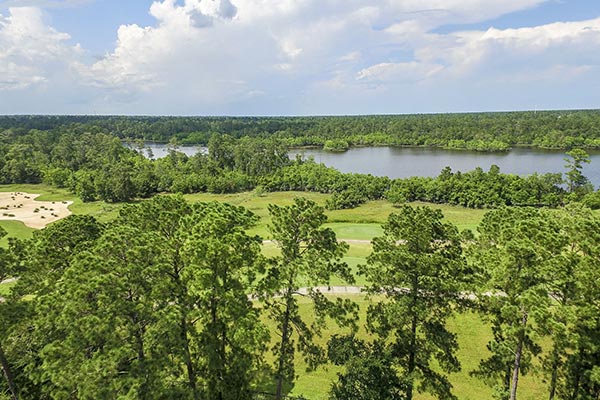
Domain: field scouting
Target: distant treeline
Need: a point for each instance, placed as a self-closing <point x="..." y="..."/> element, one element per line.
<point x="473" y="131"/>
<point x="96" y="166"/>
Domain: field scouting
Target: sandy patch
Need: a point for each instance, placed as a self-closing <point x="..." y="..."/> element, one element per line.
<point x="21" y="206"/>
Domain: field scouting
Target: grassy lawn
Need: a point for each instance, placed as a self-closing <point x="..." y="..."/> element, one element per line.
<point x="14" y="229"/>
<point x="357" y="254"/>
<point x="473" y="335"/>
<point x="349" y="230"/>
<point x="462" y="217"/>
<point x="103" y="211"/>
<point x="362" y="223"/>
<point x="46" y="192"/>
<point x="258" y="203"/>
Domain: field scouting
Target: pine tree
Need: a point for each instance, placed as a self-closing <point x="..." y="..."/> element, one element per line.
<point x="419" y="267"/>
<point x="310" y="256"/>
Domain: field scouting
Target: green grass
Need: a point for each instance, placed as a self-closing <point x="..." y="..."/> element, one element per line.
<point x="371" y="212"/>
<point x="258" y="203"/>
<point x="473" y="335"/>
<point x="357" y="254"/>
<point x="363" y="222"/>
<point x="46" y="192"/>
<point x="104" y="212"/>
<point x="462" y="217"/>
<point x="357" y="231"/>
<point x="14" y="229"/>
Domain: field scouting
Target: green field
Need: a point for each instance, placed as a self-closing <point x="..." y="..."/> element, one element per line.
<point x="361" y="223"/>
<point x="14" y="229"/>
<point x="473" y="335"/>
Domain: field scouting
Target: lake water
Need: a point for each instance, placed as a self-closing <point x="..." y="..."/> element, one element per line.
<point x="404" y="162"/>
<point x="160" y="150"/>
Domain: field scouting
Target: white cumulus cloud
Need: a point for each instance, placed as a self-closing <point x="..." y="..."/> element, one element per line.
<point x="303" y="56"/>
<point x="30" y="51"/>
<point x="406" y="72"/>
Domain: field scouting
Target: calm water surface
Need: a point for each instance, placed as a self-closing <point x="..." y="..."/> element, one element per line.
<point x="404" y="162"/>
<point x="160" y="150"/>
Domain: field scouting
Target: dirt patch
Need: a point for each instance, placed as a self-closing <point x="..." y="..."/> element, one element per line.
<point x="21" y="206"/>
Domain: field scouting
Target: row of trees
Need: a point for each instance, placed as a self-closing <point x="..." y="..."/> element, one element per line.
<point x="531" y="272"/>
<point x="475" y="189"/>
<point x="175" y="300"/>
<point x="158" y="303"/>
<point x="473" y="131"/>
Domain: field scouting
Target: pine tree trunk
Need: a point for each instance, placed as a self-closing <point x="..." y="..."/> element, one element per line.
<point x="412" y="358"/>
<point x="285" y="327"/>
<point x="8" y="375"/>
<point x="139" y="342"/>
<point x="217" y="375"/>
<point x="554" y="377"/>
<point x="575" y="392"/>
<point x="518" y="354"/>
<point x="183" y="326"/>
<point x="188" y="358"/>
<point x="413" y="340"/>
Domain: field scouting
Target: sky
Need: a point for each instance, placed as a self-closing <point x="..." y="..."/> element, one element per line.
<point x="297" y="57"/>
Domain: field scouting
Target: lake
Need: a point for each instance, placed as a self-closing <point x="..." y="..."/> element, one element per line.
<point x="160" y="150"/>
<point x="404" y="162"/>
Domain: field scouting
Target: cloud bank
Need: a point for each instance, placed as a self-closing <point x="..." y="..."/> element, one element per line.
<point x="302" y="57"/>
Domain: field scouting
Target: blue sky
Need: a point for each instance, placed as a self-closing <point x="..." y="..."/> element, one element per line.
<point x="297" y="57"/>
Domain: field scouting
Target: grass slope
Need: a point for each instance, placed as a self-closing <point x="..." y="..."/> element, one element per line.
<point x="15" y="229"/>
<point x="362" y="223"/>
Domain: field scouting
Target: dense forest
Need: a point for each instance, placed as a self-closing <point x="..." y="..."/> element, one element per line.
<point x="173" y="300"/>
<point x="473" y="131"/>
<point x="96" y="166"/>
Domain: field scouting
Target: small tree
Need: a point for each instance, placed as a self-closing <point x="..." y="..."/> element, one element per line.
<point x="577" y="183"/>
<point x="369" y="371"/>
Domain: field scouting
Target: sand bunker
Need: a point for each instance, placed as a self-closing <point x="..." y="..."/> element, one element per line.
<point x="20" y="206"/>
